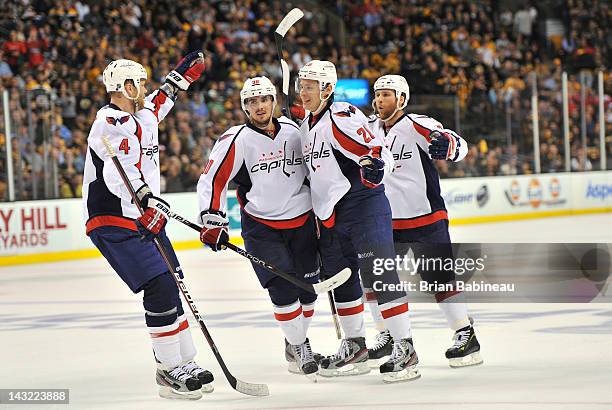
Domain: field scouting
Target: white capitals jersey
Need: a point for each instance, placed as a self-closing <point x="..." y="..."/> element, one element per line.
<point x="333" y="142"/>
<point x="268" y="169"/>
<point x="134" y="137"/>
<point x="413" y="187"/>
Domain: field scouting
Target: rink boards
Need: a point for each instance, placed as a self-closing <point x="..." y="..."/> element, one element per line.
<point x="43" y="231"/>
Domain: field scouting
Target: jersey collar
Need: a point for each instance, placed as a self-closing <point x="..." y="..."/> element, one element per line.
<point x="314" y="119"/>
<point x="396" y="122"/>
<point x="277" y="128"/>
<point x="114" y="107"/>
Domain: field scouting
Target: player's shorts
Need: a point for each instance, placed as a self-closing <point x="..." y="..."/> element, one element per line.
<point x="431" y="242"/>
<point x="134" y="260"/>
<point x="361" y="236"/>
<point x="291" y="250"/>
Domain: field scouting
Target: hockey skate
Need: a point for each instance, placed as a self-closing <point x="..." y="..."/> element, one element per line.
<point x="204" y="376"/>
<point x="301" y="360"/>
<point x="466" y="349"/>
<point x="351" y="359"/>
<point x="178" y="384"/>
<point x="292" y="363"/>
<point x="401" y="366"/>
<point x="382" y="347"/>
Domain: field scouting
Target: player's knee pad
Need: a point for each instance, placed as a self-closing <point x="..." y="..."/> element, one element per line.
<point x="282" y="292"/>
<point x="349" y="290"/>
<point x="161" y="301"/>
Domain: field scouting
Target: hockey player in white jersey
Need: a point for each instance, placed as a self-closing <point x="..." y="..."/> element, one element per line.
<point x="113" y="223"/>
<point x="264" y="158"/>
<point x="420" y="219"/>
<point x="346" y="165"/>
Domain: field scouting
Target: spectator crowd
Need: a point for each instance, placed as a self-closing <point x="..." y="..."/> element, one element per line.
<point x="474" y="54"/>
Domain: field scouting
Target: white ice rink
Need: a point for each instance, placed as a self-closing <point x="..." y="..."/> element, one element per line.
<point x="75" y="325"/>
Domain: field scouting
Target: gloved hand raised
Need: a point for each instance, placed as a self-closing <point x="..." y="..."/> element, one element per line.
<point x="442" y="145"/>
<point x="188" y="70"/>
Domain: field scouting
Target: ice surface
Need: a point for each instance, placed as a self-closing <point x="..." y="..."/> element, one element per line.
<point x="76" y="325"/>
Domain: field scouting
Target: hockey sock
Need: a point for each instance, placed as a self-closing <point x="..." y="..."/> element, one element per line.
<point x="165" y="319"/>
<point x="166" y="343"/>
<point x="308" y="313"/>
<point x="453" y="305"/>
<point x="372" y="302"/>
<point x="396" y="319"/>
<point x="291" y="322"/>
<point x="188" y="349"/>
<point x="350" y="315"/>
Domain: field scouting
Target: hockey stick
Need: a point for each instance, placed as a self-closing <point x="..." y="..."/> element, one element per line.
<point x="332" y="305"/>
<point x="330" y="295"/>
<point x="251" y="389"/>
<point x="279" y="35"/>
<point x="316" y="288"/>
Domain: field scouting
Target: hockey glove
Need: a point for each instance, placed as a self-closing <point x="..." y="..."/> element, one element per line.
<point x="214" y="229"/>
<point x="296" y="113"/>
<point x="152" y="221"/>
<point x="372" y="171"/>
<point x="442" y="145"/>
<point x="188" y="70"/>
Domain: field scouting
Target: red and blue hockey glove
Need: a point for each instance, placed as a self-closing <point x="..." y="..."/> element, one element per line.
<point x="150" y="224"/>
<point x="372" y="171"/>
<point x="152" y="221"/>
<point x="442" y="145"/>
<point x="188" y="70"/>
<point x="214" y="230"/>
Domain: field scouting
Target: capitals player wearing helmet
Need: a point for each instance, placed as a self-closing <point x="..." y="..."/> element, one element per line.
<point x="346" y="164"/>
<point x="419" y="213"/>
<point x="113" y="223"/>
<point x="263" y="157"/>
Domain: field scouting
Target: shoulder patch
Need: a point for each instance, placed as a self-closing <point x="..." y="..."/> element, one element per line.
<point x="224" y="137"/>
<point x="346" y="113"/>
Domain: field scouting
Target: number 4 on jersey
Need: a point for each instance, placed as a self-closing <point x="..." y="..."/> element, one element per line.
<point x="124" y="146"/>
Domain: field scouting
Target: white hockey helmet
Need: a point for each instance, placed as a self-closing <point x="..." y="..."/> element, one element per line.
<point x="254" y="87"/>
<point x="119" y="71"/>
<point x="322" y="71"/>
<point x="396" y="83"/>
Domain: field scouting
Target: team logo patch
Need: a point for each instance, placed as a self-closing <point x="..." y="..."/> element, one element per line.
<point x="114" y="121"/>
<point x="346" y="113"/>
